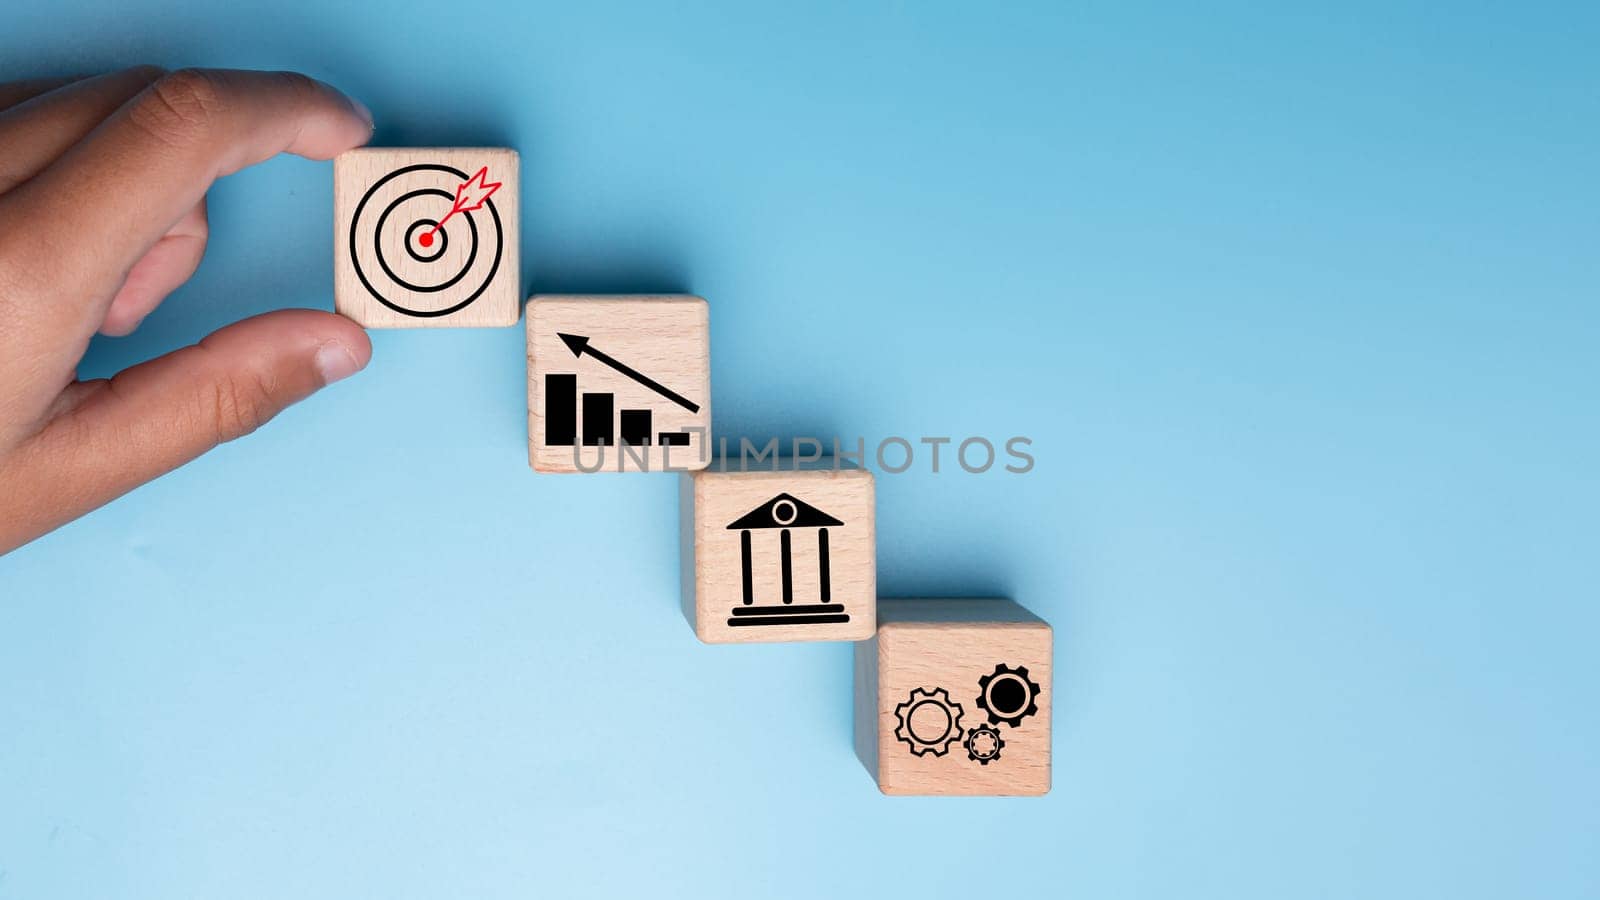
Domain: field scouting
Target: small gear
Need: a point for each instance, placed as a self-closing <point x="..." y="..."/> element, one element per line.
<point x="983" y="744"/>
<point x="929" y="721"/>
<point x="1007" y="695"/>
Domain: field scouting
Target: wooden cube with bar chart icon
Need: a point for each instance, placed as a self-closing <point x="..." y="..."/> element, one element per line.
<point x="426" y="237"/>
<point x="786" y="555"/>
<point x="953" y="697"/>
<point x="619" y="383"/>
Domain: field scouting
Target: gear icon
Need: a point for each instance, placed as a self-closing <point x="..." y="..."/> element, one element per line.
<point x="1008" y="695"/>
<point x="983" y="744"/>
<point x="929" y="721"/>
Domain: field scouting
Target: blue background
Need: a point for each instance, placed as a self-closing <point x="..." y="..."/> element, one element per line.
<point x="1299" y="309"/>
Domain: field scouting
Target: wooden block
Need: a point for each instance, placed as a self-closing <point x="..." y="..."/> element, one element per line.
<point x="426" y="237"/>
<point x="953" y="697"/>
<point x="619" y="384"/>
<point x="779" y="556"/>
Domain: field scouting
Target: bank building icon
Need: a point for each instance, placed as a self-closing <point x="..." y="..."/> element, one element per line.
<point x="787" y="516"/>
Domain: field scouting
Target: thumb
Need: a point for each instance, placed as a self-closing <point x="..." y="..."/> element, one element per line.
<point x="114" y="435"/>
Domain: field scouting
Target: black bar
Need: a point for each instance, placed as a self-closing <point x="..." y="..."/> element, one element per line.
<point x="788" y="568"/>
<point x="826" y="593"/>
<point x="597" y="424"/>
<point x="560" y="410"/>
<point x="636" y="427"/>
<point x="749" y="588"/>
<point x="788" y="610"/>
<point x="673" y="438"/>
<point x="791" y="620"/>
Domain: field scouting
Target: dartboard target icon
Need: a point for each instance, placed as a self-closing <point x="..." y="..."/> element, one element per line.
<point x="427" y="239"/>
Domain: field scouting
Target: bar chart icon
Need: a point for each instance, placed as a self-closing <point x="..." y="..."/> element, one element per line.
<point x="618" y="383"/>
<point x="604" y="425"/>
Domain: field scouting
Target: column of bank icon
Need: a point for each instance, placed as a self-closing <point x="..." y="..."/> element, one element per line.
<point x="787" y="516"/>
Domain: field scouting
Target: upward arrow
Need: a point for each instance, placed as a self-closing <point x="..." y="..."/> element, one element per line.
<point x="579" y="345"/>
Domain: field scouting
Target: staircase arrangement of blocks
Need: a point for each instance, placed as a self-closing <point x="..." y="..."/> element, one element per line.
<point x="952" y="695"/>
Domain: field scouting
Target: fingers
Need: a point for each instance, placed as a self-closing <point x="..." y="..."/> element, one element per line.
<point x="102" y="205"/>
<point x="14" y="92"/>
<point x="158" y="273"/>
<point x="112" y="436"/>
<point x="39" y="130"/>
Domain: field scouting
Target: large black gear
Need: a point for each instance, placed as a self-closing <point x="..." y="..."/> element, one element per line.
<point x="1008" y="695"/>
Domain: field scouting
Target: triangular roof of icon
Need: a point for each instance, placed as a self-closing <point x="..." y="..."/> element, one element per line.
<point x="767" y="515"/>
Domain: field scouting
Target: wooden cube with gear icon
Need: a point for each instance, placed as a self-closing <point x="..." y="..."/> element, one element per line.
<point x="953" y="697"/>
<point x="787" y="555"/>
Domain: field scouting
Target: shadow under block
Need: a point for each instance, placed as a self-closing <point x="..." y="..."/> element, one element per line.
<point x="619" y="383"/>
<point x="422" y="240"/>
<point x="779" y="556"/>
<point x="953" y="697"/>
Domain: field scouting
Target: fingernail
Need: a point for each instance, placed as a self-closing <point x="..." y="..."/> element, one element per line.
<point x="335" y="362"/>
<point x="361" y="109"/>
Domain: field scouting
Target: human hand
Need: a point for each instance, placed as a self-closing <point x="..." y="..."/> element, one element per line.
<point x="102" y="214"/>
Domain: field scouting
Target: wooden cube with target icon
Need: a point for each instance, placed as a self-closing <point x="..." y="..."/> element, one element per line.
<point x="953" y="697"/>
<point x="426" y="237"/>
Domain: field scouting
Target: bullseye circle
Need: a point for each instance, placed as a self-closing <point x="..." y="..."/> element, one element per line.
<point x="394" y="263"/>
<point x="423" y="243"/>
<point x="407" y="201"/>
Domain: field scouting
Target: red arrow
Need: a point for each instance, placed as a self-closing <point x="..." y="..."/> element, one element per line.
<point x="470" y="196"/>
